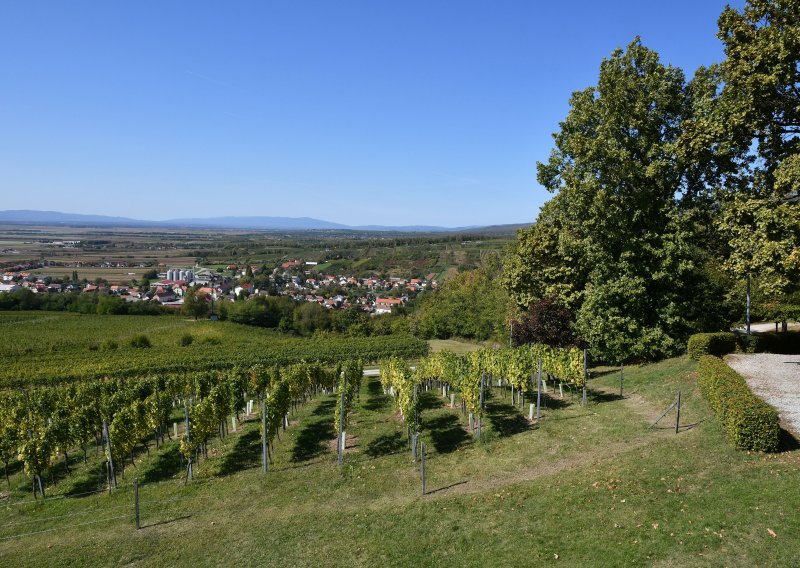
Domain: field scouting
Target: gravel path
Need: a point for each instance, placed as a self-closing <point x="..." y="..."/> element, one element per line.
<point x="776" y="379"/>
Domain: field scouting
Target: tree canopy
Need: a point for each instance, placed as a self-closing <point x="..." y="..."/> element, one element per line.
<point x="668" y="191"/>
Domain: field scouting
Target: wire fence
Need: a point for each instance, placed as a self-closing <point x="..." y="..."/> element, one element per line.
<point x="62" y="527"/>
<point x="143" y="510"/>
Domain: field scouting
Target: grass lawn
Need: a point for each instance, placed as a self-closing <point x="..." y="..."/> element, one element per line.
<point x="589" y="486"/>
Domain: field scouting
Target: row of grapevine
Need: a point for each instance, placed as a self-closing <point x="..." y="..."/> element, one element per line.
<point x="398" y="380"/>
<point x="21" y="370"/>
<point x="39" y="425"/>
<point x="350" y="377"/>
<point x="471" y="373"/>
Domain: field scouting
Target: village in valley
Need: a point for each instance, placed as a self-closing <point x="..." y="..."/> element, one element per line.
<point x="294" y="278"/>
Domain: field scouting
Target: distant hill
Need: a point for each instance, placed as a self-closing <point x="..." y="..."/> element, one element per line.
<point x="33" y="217"/>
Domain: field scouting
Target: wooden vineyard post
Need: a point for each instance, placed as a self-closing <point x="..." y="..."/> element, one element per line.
<point x="678" y="417"/>
<point x="585" y="373"/>
<point x="481" y="402"/>
<point x="416" y="408"/>
<point x="341" y="427"/>
<point x="136" y="501"/>
<point x="264" y="435"/>
<point x="422" y="465"/>
<point x="112" y="476"/>
<point x="189" y="466"/>
<point x="539" y="393"/>
<point x="414" y="436"/>
<point x="621" y="377"/>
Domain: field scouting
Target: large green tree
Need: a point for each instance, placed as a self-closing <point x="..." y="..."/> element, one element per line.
<point x="471" y="304"/>
<point x="760" y="103"/>
<point x="615" y="243"/>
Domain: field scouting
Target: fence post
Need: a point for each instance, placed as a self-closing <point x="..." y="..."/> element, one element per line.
<point x="136" y="501"/>
<point x="585" y="373"/>
<point x="341" y="427"/>
<point x="189" y="465"/>
<point x="678" y="418"/>
<point x="621" y="377"/>
<point x="539" y="392"/>
<point x="422" y="455"/>
<point x="113" y="477"/>
<point x="264" y="435"/>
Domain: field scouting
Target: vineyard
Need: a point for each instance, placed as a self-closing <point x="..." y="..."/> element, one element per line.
<point x="44" y="348"/>
<point x="620" y="481"/>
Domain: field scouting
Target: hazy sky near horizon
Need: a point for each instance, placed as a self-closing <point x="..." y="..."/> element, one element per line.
<point x="358" y="112"/>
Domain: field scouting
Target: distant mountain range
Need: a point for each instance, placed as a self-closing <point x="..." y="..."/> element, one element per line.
<point x="32" y="217"/>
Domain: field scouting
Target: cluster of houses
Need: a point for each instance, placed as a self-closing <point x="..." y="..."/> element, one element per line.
<point x="373" y="295"/>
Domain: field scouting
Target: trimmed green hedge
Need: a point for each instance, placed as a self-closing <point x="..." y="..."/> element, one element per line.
<point x="787" y="343"/>
<point x="711" y="344"/>
<point x="748" y="421"/>
<point x="722" y="343"/>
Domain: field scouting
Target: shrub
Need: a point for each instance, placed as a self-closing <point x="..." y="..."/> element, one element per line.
<point x="110" y="345"/>
<point x="785" y="343"/>
<point x="186" y="339"/>
<point x="718" y="344"/>
<point x="140" y="342"/>
<point x="748" y="421"/>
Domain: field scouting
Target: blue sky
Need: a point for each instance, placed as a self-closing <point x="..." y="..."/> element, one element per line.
<point x="356" y="112"/>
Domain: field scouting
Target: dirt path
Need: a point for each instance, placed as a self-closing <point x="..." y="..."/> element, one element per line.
<point x="636" y="404"/>
<point x="549" y="468"/>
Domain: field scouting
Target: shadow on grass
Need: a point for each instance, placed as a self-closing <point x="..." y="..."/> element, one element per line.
<point x="549" y="401"/>
<point x="377" y="400"/>
<point x="167" y="521"/>
<point x="787" y="442"/>
<point x="429" y="401"/>
<point x="446" y="487"/>
<point x="246" y="453"/>
<point x="312" y="439"/>
<point x="446" y="433"/>
<point x="386" y="444"/>
<point x="601" y="397"/>
<point x="612" y="371"/>
<point x="90" y="480"/>
<point x="505" y="419"/>
<point x="325" y="408"/>
<point x="166" y="465"/>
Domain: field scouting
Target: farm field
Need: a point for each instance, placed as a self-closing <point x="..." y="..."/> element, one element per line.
<point x="356" y="253"/>
<point x="43" y="347"/>
<point x="593" y="486"/>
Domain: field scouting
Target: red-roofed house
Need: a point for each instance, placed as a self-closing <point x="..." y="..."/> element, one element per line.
<point x="385" y="305"/>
